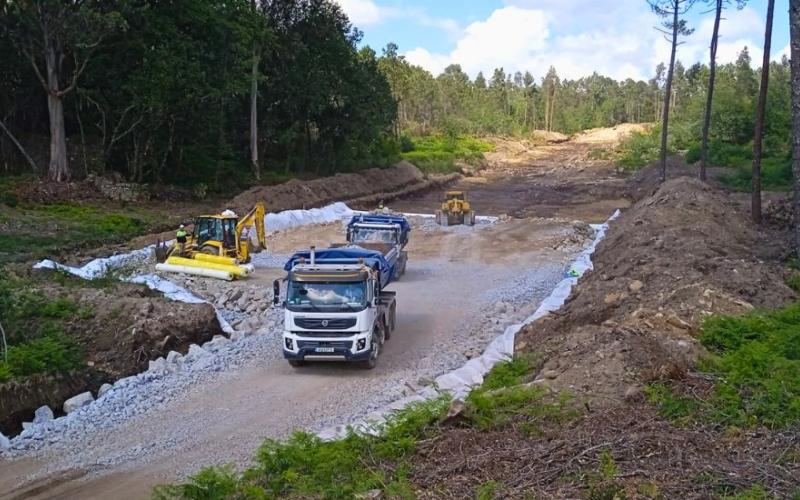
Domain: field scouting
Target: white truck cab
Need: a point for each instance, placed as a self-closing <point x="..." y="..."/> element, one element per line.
<point x="334" y="312"/>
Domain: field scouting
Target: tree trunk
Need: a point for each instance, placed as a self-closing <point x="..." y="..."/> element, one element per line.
<point x="668" y="93"/>
<point x="762" y="104"/>
<point x="59" y="165"/>
<point x="712" y="65"/>
<point x="254" y="118"/>
<point x="794" y="25"/>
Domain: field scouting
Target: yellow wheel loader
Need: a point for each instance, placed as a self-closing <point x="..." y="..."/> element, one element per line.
<point x="221" y="235"/>
<point x="455" y="210"/>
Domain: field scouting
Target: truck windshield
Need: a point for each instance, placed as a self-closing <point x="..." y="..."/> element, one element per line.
<point x="372" y="235"/>
<point x="327" y="295"/>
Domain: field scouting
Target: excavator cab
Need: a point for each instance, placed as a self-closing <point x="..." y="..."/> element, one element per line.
<point x="455" y="210"/>
<point x="224" y="235"/>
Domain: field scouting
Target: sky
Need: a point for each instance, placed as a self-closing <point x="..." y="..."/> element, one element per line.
<point x="616" y="38"/>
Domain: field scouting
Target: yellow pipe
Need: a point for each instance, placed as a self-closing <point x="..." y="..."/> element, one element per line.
<point x="195" y="271"/>
<point x="216" y="259"/>
<point x="180" y="261"/>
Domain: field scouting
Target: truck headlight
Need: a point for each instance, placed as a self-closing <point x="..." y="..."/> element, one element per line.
<point x="289" y="344"/>
<point x="361" y="344"/>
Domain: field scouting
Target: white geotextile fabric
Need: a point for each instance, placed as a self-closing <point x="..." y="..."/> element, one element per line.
<point x="460" y="381"/>
<point x="288" y="219"/>
<point x="99" y="267"/>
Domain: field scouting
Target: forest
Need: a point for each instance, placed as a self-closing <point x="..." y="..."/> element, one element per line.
<point x="235" y="93"/>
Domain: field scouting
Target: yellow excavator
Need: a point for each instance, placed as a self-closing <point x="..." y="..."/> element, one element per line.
<point x="455" y="210"/>
<point x="221" y="235"/>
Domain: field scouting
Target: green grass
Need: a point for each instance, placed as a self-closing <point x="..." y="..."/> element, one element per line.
<point x="41" y="230"/>
<point x="755" y="359"/>
<point x="437" y="154"/>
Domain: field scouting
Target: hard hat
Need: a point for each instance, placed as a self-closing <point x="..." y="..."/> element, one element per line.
<point x="181" y="226"/>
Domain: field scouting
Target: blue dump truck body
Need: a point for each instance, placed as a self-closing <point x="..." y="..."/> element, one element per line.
<point x="399" y="220"/>
<point x="348" y="255"/>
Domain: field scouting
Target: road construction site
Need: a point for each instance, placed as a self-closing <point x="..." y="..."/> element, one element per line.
<point x="464" y="285"/>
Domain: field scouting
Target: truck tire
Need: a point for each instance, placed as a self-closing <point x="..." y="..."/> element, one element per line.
<point x="296" y="363"/>
<point x="372" y="362"/>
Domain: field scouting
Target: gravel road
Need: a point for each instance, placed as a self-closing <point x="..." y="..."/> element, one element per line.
<point x="461" y="289"/>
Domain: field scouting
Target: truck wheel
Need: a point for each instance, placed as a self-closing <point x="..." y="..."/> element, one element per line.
<point x="470" y="218"/>
<point x="372" y="362"/>
<point x="296" y="363"/>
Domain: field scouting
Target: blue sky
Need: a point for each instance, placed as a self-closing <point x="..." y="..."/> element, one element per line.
<point x="615" y="38"/>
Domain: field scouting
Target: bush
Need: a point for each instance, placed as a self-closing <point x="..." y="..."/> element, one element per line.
<point x="54" y="353"/>
<point x="756" y="359"/>
<point x="438" y="154"/>
<point x="638" y="149"/>
<point x="406" y="144"/>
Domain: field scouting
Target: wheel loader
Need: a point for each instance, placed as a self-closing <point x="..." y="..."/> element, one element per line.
<point x="455" y="210"/>
<point x="222" y="235"/>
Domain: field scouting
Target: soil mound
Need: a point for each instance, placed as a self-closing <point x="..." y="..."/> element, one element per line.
<point x="672" y="259"/>
<point x="296" y="194"/>
<point x="122" y="328"/>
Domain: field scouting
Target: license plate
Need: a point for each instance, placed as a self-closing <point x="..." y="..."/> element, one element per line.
<point x="323" y="349"/>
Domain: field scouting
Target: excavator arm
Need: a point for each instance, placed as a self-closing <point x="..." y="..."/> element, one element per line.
<point x="253" y="218"/>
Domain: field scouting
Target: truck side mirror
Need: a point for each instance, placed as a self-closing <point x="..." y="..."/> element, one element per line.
<point x="276" y="292"/>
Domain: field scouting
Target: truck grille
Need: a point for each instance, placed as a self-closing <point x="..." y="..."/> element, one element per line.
<point x="324" y="334"/>
<point x="310" y="344"/>
<point x="325" y="323"/>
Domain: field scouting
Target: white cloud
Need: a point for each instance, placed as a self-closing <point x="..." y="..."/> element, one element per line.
<point x="616" y="39"/>
<point x="362" y="12"/>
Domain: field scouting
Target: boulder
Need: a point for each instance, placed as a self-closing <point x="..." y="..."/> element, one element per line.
<point x="43" y="414"/>
<point x="77" y="402"/>
<point x="5" y="443"/>
<point x="26" y="425"/>
<point x="157" y="365"/>
<point x="103" y="389"/>
<point x="195" y="352"/>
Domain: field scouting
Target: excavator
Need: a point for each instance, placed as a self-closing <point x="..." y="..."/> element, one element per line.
<point x="222" y="235"/>
<point x="455" y="210"/>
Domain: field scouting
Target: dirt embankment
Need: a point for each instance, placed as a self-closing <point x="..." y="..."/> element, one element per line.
<point x="675" y="257"/>
<point x="367" y="185"/>
<point x="685" y="252"/>
<point x="120" y="329"/>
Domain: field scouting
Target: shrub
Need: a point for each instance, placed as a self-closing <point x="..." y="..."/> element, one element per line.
<point x="756" y="361"/>
<point x="638" y="149"/>
<point x="54" y="353"/>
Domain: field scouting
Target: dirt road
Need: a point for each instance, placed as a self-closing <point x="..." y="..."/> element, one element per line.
<point x="448" y="311"/>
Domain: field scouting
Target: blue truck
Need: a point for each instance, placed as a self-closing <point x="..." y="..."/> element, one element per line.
<point x="386" y="233"/>
<point x="336" y="307"/>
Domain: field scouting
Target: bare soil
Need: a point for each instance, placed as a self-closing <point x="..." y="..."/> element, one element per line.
<point x="675" y="257"/>
<point x="563" y="179"/>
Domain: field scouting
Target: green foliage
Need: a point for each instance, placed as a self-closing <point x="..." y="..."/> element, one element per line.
<point x="776" y="175"/>
<point x="793" y="281"/>
<point x="438" y="154"/>
<point x="34" y="324"/>
<point x="756" y="358"/>
<point x="510" y="373"/>
<point x="53" y="353"/>
<point x="488" y="490"/>
<point x="305" y="466"/>
<point x="755" y="492"/>
<point x="41" y="230"/>
<point x="603" y="484"/>
<point x="638" y="149"/>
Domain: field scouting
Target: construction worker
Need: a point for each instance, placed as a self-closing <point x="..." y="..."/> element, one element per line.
<point x="180" y="237"/>
<point x="380" y="205"/>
